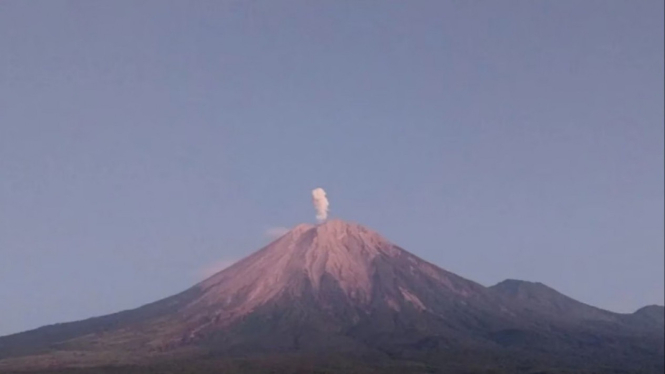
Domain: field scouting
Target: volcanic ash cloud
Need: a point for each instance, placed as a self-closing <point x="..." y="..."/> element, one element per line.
<point x="320" y="204"/>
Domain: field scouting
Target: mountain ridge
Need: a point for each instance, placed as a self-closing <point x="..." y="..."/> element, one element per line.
<point x="340" y="287"/>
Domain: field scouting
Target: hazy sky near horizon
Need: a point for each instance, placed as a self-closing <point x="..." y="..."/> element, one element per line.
<point x="144" y="142"/>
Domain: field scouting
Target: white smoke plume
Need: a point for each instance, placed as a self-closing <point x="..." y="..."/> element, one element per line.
<point x="320" y="204"/>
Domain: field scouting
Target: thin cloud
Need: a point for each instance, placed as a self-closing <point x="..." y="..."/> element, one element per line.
<point x="213" y="268"/>
<point x="276" y="232"/>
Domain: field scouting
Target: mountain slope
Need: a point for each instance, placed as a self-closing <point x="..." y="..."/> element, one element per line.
<point x="340" y="284"/>
<point x="651" y="317"/>
<point x="339" y="287"/>
<point x="542" y="299"/>
<point x="333" y="279"/>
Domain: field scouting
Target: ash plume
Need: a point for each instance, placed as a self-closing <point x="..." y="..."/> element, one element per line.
<point x="320" y="204"/>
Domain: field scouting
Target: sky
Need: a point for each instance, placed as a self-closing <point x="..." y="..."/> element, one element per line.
<point x="146" y="144"/>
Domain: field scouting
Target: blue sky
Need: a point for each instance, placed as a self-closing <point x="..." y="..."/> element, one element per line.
<point x="144" y="143"/>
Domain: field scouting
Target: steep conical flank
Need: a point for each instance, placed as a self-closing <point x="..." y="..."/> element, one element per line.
<point x="341" y="288"/>
<point x="336" y="285"/>
<point x="326" y="278"/>
<point x="347" y="255"/>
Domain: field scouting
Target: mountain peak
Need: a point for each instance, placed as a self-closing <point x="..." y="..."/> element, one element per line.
<point x="336" y="222"/>
<point x="516" y="287"/>
<point x="652" y="311"/>
<point x="334" y="229"/>
<point x="337" y="235"/>
<point x="331" y="287"/>
<point x="339" y="226"/>
<point x="653" y="307"/>
<point x="340" y="251"/>
<point x="548" y="300"/>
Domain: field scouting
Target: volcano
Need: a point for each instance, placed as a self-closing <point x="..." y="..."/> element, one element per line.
<point x="339" y="289"/>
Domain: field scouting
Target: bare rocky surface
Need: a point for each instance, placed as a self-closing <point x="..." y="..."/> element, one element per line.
<point x="340" y="288"/>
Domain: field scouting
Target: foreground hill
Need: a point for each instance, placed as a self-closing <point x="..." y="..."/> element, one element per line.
<point x="337" y="296"/>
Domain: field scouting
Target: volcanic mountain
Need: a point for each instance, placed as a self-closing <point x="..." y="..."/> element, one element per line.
<point x="339" y="288"/>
